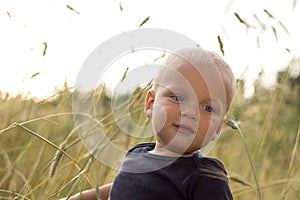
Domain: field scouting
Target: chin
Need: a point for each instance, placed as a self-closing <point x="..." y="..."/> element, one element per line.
<point x="181" y="149"/>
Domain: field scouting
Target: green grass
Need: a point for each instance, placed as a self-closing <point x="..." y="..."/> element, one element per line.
<point x="38" y="138"/>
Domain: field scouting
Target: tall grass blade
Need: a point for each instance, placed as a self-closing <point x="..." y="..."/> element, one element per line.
<point x="17" y="195"/>
<point x="78" y="165"/>
<point x="233" y="124"/>
<point x="288" y="185"/>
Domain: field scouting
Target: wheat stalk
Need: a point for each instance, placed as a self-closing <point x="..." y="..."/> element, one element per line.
<point x="233" y="124"/>
<point x="17" y="195"/>
<point x="77" y="164"/>
<point x="287" y="185"/>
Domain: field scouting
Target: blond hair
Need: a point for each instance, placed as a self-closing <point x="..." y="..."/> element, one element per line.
<point x="200" y="57"/>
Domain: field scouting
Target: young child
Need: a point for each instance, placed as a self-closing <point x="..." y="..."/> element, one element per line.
<point x="187" y="105"/>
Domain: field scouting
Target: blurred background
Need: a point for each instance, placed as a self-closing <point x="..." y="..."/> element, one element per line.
<point x="44" y="44"/>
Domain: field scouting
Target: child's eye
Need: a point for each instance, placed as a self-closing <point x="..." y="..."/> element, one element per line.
<point x="207" y="108"/>
<point x="178" y="98"/>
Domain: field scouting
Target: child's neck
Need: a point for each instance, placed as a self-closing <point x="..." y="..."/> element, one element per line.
<point x="166" y="152"/>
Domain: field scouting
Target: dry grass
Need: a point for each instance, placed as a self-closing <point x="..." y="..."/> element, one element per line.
<point x="38" y="136"/>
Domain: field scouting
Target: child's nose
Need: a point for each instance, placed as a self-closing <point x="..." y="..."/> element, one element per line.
<point x="190" y="112"/>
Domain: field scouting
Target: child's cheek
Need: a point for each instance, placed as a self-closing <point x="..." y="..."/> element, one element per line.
<point x="159" y="117"/>
<point x="211" y="127"/>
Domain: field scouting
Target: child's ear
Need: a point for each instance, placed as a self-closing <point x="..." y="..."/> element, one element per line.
<point x="219" y="130"/>
<point x="149" y="103"/>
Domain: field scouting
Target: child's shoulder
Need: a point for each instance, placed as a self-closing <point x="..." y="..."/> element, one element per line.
<point x="211" y="167"/>
<point x="213" y="162"/>
<point x="209" y="180"/>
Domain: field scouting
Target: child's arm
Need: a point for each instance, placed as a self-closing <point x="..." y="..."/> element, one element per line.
<point x="92" y="194"/>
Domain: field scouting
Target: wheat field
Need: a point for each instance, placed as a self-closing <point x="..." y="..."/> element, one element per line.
<point x="42" y="156"/>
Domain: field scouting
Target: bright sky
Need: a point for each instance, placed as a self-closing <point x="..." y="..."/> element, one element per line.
<point x="72" y="35"/>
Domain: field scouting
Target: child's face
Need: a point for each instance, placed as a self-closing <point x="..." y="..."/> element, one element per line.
<point x="184" y="115"/>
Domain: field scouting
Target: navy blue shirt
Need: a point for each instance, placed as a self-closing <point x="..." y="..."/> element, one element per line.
<point x="146" y="176"/>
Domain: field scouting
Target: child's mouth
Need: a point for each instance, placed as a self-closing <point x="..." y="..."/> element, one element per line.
<point x="185" y="129"/>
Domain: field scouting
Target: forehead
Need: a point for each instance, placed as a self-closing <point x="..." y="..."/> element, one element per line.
<point x="183" y="75"/>
<point x="184" y="72"/>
